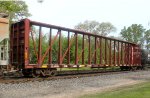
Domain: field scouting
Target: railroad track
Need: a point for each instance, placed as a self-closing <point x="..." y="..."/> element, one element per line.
<point x="16" y="80"/>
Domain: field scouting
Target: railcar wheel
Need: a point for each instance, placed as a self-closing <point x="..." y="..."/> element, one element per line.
<point x="125" y="68"/>
<point x="26" y="73"/>
<point x="53" y="73"/>
<point x="133" y="68"/>
<point x="36" y="73"/>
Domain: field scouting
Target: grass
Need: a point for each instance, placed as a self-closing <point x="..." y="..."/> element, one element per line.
<point x="68" y="69"/>
<point x="88" y="68"/>
<point x="141" y="90"/>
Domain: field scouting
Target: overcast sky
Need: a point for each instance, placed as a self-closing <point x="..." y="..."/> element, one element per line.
<point x="68" y="13"/>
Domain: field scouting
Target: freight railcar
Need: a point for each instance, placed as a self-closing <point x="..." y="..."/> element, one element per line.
<point x="40" y="49"/>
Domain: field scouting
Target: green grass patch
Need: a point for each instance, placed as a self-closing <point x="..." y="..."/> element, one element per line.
<point x="141" y="90"/>
<point x="89" y="68"/>
<point x="69" y="69"/>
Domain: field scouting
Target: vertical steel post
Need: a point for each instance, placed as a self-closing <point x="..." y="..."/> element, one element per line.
<point x="26" y="40"/>
<point x="121" y="53"/>
<point x="100" y="47"/>
<point x="110" y="54"/>
<point x="118" y="54"/>
<point x="95" y="51"/>
<point x="125" y="54"/>
<point x="133" y="48"/>
<point x="105" y="51"/>
<point x="50" y="44"/>
<point x="83" y="49"/>
<point x="140" y="53"/>
<point x="76" y="48"/>
<point x="40" y="46"/>
<point x="68" y="48"/>
<point x="114" y="53"/>
<point x="128" y="55"/>
<point x="60" y="49"/>
<point x="89" y="55"/>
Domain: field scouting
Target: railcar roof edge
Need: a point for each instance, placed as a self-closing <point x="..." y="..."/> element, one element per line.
<point x="73" y="30"/>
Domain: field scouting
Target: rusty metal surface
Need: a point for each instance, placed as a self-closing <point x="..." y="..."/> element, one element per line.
<point x="102" y="51"/>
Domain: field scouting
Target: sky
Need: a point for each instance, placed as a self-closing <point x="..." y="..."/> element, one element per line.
<point x="68" y="13"/>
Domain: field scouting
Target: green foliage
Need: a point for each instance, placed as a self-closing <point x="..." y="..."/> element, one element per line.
<point x="15" y="9"/>
<point x="147" y="39"/>
<point x="88" y="26"/>
<point x="134" y="33"/>
<point x="64" y="41"/>
<point x="105" y="28"/>
<point x="95" y="27"/>
<point x="135" y="91"/>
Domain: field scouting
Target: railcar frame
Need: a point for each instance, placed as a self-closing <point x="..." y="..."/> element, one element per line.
<point x="106" y="51"/>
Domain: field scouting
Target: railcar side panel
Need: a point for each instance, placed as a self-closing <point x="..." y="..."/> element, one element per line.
<point x="39" y="45"/>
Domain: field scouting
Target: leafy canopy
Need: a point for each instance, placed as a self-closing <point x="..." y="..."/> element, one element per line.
<point x="95" y="27"/>
<point x="134" y="33"/>
<point x="15" y="9"/>
<point x="147" y="39"/>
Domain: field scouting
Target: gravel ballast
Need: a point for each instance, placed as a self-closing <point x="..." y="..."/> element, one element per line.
<point x="71" y="88"/>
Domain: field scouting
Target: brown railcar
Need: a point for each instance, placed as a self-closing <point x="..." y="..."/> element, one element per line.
<point x="26" y="39"/>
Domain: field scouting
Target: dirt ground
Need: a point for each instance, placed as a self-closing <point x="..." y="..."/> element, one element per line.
<point x="77" y="94"/>
<point x="72" y="88"/>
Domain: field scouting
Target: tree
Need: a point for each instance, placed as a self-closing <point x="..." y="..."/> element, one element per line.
<point x="95" y="27"/>
<point x="15" y="9"/>
<point x="134" y="33"/>
<point x="105" y="28"/>
<point x="147" y="39"/>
